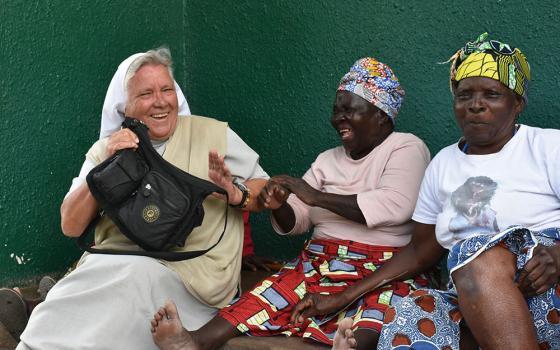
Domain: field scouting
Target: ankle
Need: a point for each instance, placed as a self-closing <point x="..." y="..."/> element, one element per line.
<point x="197" y="342"/>
<point x="181" y="341"/>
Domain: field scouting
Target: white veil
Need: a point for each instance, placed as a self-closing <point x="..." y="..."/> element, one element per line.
<point x="115" y="101"/>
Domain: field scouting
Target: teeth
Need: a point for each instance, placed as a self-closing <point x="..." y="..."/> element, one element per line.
<point x="342" y="131"/>
<point x="159" y="116"/>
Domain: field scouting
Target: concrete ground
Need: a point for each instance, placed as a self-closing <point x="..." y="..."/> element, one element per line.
<point x="240" y="343"/>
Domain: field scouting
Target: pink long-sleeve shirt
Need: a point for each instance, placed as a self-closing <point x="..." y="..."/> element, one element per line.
<point x="386" y="181"/>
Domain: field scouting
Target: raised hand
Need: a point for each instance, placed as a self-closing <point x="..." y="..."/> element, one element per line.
<point x="541" y="272"/>
<point x="219" y="174"/>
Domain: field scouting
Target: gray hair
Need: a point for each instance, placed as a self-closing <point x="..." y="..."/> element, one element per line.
<point x="161" y="55"/>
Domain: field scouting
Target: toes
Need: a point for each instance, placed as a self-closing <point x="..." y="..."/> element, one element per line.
<point x="171" y="310"/>
<point x="346" y="323"/>
<point x="158" y="316"/>
<point x="170" y="306"/>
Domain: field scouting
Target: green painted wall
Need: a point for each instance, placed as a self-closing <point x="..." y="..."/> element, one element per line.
<point x="270" y="68"/>
<point x="57" y="58"/>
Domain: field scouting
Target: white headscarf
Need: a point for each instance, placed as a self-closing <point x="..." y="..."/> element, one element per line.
<point x="112" y="115"/>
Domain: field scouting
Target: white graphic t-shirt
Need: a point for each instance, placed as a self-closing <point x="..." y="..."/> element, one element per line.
<point x="466" y="195"/>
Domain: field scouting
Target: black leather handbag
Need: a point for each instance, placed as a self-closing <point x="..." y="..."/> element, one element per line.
<point x="153" y="203"/>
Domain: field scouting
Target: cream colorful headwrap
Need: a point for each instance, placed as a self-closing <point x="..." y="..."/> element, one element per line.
<point x="112" y="115"/>
<point x="376" y="83"/>
<point x="495" y="60"/>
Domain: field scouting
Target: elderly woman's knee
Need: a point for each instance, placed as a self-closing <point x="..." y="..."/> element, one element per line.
<point x="468" y="280"/>
<point x="495" y="266"/>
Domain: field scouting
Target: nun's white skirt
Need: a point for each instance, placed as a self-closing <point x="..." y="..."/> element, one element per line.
<point x="107" y="303"/>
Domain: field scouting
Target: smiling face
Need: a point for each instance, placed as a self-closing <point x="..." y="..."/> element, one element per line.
<point x="153" y="100"/>
<point x="360" y="125"/>
<point x="486" y="111"/>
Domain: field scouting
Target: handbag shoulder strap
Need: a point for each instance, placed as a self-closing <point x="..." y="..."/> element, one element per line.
<point x="145" y="145"/>
<point x="169" y="256"/>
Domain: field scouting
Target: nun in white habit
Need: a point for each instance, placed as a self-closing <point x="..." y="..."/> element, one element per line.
<point x="107" y="302"/>
<point x="112" y="115"/>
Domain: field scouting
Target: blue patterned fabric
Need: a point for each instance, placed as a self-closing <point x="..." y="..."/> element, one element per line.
<point x="429" y="318"/>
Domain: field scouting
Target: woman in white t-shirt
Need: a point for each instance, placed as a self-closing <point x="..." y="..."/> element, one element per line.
<point x="493" y="201"/>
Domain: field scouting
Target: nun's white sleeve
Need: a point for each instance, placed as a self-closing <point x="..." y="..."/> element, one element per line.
<point x="77" y="181"/>
<point x="242" y="161"/>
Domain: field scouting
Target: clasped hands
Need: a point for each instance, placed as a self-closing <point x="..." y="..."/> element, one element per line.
<point x="274" y="193"/>
<point x="278" y="188"/>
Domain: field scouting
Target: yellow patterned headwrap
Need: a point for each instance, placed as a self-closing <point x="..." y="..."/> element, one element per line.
<point x="495" y="60"/>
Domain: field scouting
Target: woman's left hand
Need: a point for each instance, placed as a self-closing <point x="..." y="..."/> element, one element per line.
<point x="299" y="187"/>
<point x="541" y="272"/>
<point x="219" y="173"/>
<point x="314" y="304"/>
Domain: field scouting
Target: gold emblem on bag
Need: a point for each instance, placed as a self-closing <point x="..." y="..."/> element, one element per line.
<point x="150" y="213"/>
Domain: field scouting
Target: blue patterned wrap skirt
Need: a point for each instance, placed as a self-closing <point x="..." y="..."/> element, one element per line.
<point x="428" y="319"/>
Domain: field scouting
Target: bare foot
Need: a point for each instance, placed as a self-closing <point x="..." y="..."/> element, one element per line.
<point x="344" y="337"/>
<point x="168" y="332"/>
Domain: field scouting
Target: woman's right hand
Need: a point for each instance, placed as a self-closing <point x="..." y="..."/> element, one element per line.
<point x="124" y="138"/>
<point x="273" y="195"/>
<point x="254" y="262"/>
<point x="314" y="304"/>
<point x="541" y="272"/>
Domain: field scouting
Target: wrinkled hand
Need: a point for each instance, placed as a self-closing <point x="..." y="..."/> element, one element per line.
<point x="124" y="138"/>
<point x="273" y="195"/>
<point x="299" y="187"/>
<point x="219" y="174"/>
<point x="541" y="272"/>
<point x="254" y="262"/>
<point x="316" y="304"/>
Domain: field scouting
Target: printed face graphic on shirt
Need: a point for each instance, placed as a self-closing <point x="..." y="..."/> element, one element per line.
<point x="471" y="202"/>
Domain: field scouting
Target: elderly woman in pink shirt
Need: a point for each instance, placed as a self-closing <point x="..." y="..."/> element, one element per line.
<point x="358" y="199"/>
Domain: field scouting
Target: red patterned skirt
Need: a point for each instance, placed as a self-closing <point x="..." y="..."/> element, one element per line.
<point x="324" y="266"/>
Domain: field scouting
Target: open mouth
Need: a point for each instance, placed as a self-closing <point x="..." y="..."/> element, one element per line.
<point x="345" y="134"/>
<point x="159" y="116"/>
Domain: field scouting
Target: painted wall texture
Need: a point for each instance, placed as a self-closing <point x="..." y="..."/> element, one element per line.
<point x="270" y="68"/>
<point x="57" y="59"/>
